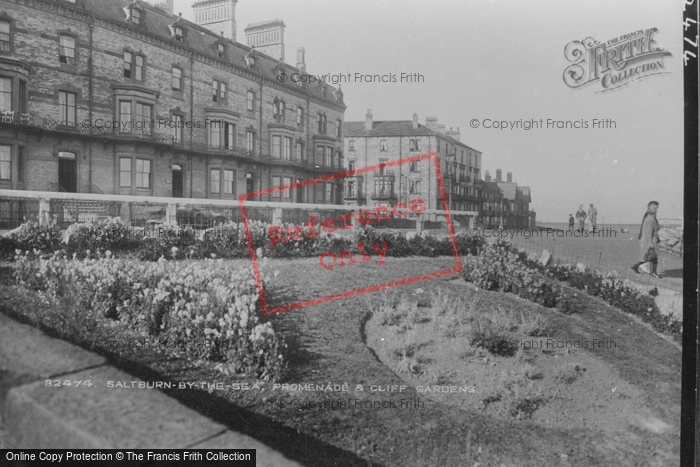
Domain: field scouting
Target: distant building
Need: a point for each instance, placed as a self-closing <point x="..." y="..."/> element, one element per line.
<point x="505" y="204"/>
<point x="372" y="142"/>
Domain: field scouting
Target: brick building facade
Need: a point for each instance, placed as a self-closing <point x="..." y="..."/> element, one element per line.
<point x="120" y="97"/>
<point x="371" y="142"/>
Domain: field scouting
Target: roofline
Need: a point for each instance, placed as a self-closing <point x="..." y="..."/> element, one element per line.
<point x="91" y="15"/>
<point x="434" y="133"/>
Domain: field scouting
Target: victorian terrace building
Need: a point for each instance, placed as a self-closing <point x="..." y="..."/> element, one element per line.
<point x="372" y="142"/>
<point x="121" y="97"/>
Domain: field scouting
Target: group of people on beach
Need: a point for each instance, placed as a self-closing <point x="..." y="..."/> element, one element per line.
<point x="581" y="216"/>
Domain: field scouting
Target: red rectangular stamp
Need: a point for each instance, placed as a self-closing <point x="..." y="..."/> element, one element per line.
<point x="362" y="215"/>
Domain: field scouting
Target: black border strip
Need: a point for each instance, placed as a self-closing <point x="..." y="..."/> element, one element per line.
<point x="690" y="437"/>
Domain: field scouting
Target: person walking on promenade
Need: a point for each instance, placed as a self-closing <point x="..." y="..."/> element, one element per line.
<point x="571" y="222"/>
<point x="648" y="239"/>
<point x="592" y="216"/>
<point x="581" y="218"/>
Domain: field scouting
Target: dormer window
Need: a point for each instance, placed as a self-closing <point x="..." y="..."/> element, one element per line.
<point x="134" y="14"/>
<point x="178" y="34"/>
<point x="221" y="50"/>
<point x="250" y="58"/>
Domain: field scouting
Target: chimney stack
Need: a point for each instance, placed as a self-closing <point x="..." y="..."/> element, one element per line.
<point x="441" y="128"/>
<point x="167" y="6"/>
<point x="224" y="20"/>
<point x="415" y="121"/>
<point x="431" y="123"/>
<point x="267" y="37"/>
<point x="487" y="176"/>
<point x="454" y="134"/>
<point x="368" y="120"/>
<point x="509" y="177"/>
<point x="498" y="175"/>
<point x="301" y="60"/>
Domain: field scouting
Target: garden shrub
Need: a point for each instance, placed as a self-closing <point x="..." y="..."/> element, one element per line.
<point x="417" y="245"/>
<point x="7" y="248"/>
<point x="32" y="236"/>
<point x="170" y="242"/>
<point x="618" y="292"/>
<point x="498" y="266"/>
<point x="624" y="295"/>
<point x="101" y="235"/>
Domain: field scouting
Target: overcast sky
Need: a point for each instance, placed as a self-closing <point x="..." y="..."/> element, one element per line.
<point x="504" y="60"/>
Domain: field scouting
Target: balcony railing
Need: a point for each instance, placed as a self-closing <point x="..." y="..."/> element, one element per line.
<point x="85" y="128"/>
<point x="389" y="194"/>
<point x="389" y="173"/>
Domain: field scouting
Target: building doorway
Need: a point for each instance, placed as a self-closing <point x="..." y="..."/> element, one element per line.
<point x="67" y="172"/>
<point x="178" y="181"/>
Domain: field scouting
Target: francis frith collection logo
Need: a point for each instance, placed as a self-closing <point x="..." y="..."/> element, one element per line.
<point x="615" y="63"/>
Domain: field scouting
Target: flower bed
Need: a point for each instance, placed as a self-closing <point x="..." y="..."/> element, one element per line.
<point x="208" y="308"/>
<point x="225" y="241"/>
<point x="498" y="266"/>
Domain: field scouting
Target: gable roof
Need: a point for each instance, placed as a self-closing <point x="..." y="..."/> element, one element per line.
<point x="525" y="193"/>
<point x="489" y="187"/>
<point x="509" y="189"/>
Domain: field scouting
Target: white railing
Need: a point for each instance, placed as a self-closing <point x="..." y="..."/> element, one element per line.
<point x="171" y="205"/>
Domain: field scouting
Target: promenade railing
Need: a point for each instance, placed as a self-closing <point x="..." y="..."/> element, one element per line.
<point x="17" y="206"/>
